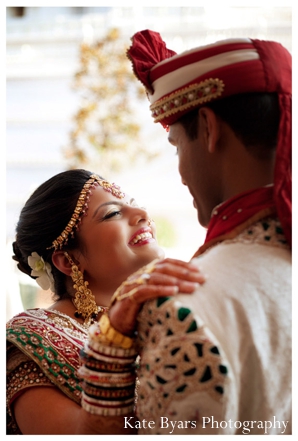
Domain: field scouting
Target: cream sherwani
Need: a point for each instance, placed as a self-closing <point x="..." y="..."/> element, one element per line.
<point x="219" y="361"/>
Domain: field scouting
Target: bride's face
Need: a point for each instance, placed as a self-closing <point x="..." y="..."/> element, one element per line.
<point x="117" y="239"/>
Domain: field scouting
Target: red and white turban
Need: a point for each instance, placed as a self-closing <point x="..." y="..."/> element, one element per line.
<point x="176" y="84"/>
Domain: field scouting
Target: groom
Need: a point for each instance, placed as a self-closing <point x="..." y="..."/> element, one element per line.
<point x="219" y="361"/>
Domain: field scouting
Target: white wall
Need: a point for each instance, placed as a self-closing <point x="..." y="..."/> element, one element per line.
<point x="42" y="57"/>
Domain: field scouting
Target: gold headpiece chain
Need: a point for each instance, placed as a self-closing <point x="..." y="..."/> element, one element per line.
<point x="82" y="206"/>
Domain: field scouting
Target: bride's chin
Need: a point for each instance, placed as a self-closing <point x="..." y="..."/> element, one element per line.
<point x="157" y="254"/>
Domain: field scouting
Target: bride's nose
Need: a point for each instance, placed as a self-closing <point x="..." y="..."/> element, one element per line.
<point x="138" y="215"/>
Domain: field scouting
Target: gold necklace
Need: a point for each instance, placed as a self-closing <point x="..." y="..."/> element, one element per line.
<point x="93" y="317"/>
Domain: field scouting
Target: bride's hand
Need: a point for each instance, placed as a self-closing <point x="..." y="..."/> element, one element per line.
<point x="162" y="278"/>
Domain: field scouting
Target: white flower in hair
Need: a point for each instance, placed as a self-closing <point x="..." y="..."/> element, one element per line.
<point x="42" y="270"/>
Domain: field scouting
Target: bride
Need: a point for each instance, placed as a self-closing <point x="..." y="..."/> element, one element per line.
<point x="91" y="244"/>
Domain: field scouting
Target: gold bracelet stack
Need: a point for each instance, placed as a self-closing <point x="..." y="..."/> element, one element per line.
<point x="108" y="334"/>
<point x="108" y="371"/>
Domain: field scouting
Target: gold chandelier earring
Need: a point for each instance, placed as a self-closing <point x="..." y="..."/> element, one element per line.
<point x="83" y="300"/>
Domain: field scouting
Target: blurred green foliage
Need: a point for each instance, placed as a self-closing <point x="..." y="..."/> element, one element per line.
<point x="166" y="234"/>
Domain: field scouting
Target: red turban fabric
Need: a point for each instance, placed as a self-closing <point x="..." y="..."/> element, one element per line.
<point x="176" y="84"/>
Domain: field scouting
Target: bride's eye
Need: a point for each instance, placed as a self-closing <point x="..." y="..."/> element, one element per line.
<point x="112" y="214"/>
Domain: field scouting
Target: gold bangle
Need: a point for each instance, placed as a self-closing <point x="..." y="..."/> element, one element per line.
<point x="109" y="334"/>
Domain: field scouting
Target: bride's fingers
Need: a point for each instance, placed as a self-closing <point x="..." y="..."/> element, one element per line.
<point x="142" y="293"/>
<point x="183" y="271"/>
<point x="181" y="263"/>
<point x="169" y="272"/>
<point x="160" y="278"/>
<point x="188" y="266"/>
<point x="164" y="279"/>
<point x="149" y="292"/>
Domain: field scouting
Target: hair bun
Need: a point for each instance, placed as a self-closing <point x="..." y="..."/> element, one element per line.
<point x="18" y="257"/>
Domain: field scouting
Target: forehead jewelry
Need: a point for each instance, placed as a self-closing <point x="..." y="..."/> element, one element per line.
<point x="82" y="206"/>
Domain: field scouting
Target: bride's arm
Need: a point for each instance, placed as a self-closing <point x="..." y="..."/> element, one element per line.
<point x="46" y="410"/>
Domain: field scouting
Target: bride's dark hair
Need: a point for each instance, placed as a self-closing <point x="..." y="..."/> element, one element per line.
<point x="44" y="216"/>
